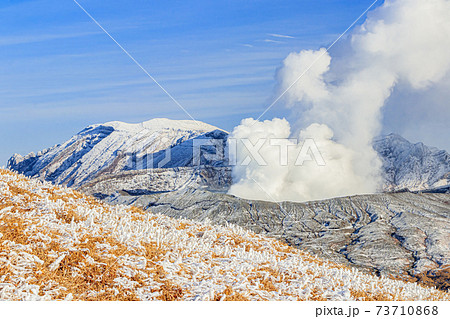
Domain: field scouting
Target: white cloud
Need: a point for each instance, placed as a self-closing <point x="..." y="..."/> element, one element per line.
<point x="273" y="41"/>
<point x="403" y="41"/>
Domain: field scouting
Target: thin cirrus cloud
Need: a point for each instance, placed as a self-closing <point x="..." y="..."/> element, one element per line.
<point x="275" y="35"/>
<point x="273" y="41"/>
<point x="25" y="39"/>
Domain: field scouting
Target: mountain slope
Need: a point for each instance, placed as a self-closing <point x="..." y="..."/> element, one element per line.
<point x="412" y="166"/>
<point x="59" y="244"/>
<point x="114" y="147"/>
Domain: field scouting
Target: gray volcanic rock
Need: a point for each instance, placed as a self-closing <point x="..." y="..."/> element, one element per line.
<point x="160" y="180"/>
<point x="412" y="166"/>
<point x="401" y="233"/>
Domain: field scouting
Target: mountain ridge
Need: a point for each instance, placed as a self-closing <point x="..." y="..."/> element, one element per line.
<point x="114" y="147"/>
<point x="412" y="166"/>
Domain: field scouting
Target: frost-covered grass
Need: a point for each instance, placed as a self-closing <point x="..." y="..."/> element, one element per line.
<point x="56" y="243"/>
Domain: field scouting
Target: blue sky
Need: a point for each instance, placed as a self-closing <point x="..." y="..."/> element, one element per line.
<point x="60" y="72"/>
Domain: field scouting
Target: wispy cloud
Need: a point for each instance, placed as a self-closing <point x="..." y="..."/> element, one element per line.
<point x="248" y="45"/>
<point x="24" y="39"/>
<point x="275" y="35"/>
<point x="273" y="41"/>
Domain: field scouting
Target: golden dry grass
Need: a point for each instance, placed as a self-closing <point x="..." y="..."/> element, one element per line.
<point x="96" y="277"/>
<point x="94" y="267"/>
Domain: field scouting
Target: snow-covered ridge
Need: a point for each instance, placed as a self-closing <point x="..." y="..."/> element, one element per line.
<point x="112" y="147"/>
<point x="161" y="124"/>
<point x="412" y="166"/>
<point x="59" y="244"/>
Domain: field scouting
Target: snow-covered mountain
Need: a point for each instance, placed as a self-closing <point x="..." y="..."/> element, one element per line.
<point x="116" y="147"/>
<point x="412" y="166"/>
<point x="167" y="147"/>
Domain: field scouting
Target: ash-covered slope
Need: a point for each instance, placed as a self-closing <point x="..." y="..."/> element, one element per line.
<point x="412" y="166"/>
<point x="57" y="244"/>
<point x="115" y="147"/>
<point x="393" y="233"/>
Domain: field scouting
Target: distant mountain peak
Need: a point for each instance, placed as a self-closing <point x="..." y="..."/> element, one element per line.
<point x="103" y="148"/>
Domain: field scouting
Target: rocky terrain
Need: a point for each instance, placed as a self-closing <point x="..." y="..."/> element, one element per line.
<point x="158" y="181"/>
<point x="57" y="244"/>
<point x="412" y="166"/>
<point x="399" y="233"/>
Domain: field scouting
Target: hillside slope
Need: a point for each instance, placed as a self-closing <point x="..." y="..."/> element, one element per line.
<point x="58" y="244"/>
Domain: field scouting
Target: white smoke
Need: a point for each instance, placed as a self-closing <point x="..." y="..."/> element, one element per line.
<point x="339" y="101"/>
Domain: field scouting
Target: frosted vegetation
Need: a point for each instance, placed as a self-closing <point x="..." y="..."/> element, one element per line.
<point x="59" y="244"/>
